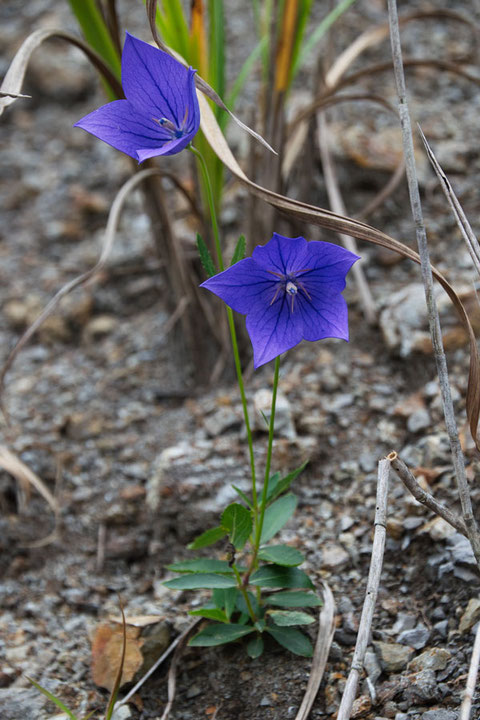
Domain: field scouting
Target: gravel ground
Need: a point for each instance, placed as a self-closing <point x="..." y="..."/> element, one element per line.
<point x="101" y="408"/>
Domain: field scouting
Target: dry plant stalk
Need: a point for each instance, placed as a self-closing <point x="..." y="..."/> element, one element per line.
<point x="472" y="679"/>
<point x="434" y="321"/>
<point x="424" y="497"/>
<point x="373" y="582"/>
<point x="336" y="203"/>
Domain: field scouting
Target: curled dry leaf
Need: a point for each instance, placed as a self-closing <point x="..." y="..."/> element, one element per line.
<point x="25" y="477"/>
<point x="13" y="80"/>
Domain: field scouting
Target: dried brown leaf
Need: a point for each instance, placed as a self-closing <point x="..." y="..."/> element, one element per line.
<point x="25" y="477"/>
<point x="107" y="649"/>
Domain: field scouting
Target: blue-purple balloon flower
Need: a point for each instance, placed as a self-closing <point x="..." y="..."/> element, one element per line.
<point x="290" y="290"/>
<point x="160" y="115"/>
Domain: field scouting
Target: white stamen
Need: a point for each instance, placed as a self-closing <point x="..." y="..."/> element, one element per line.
<point x="291" y="288"/>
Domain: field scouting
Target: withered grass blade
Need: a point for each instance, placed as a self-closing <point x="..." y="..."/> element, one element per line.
<point x="13" y="80"/>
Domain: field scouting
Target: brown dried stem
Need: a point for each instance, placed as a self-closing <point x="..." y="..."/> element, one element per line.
<point x="434" y="322"/>
<point x="373" y="582"/>
<point x="408" y="479"/>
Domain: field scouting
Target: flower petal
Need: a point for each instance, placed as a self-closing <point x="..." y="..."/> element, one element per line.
<point x="167" y="148"/>
<point x="157" y="85"/>
<point x="273" y="329"/>
<point x="120" y="125"/>
<point x="324" y="315"/>
<point x="243" y="286"/>
<point x="281" y="254"/>
<point x="326" y="264"/>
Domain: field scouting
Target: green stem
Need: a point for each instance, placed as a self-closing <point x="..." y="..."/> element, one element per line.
<point x="244" y="592"/>
<point x="269" y="456"/>
<point x="268" y="464"/>
<point x="231" y="325"/>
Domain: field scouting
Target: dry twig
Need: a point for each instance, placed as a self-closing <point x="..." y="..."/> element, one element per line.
<point x="424" y="497"/>
<point x="372" y="589"/>
<point x="451" y="425"/>
<point x="472" y="679"/>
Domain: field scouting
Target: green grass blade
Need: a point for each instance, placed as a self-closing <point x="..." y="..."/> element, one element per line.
<point x="96" y="34"/>
<point x="303" y="14"/>
<point x="317" y="34"/>
<point x="173" y="26"/>
<point x="52" y="698"/>
<point x="242" y="76"/>
<point x="216" y="50"/>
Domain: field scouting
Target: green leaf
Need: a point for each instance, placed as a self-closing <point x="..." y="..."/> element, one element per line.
<point x="211" y="614"/>
<point x="240" y="249"/>
<point x="281" y="555"/>
<point x="277" y="515"/>
<point x="278" y="485"/>
<point x="242" y="495"/>
<point x="255" y="647"/>
<point x="237" y="521"/>
<point x="219" y="635"/>
<point x="194" y="581"/>
<point x="205" y="257"/>
<point x="292" y="639"/>
<point x="202" y="565"/>
<point x="209" y="537"/>
<point x="226" y="599"/>
<point x="285" y="618"/>
<point x="52" y="698"/>
<point x="283" y="577"/>
<point x="296" y="598"/>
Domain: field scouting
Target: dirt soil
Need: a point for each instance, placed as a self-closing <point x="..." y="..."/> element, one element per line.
<point x="102" y="408"/>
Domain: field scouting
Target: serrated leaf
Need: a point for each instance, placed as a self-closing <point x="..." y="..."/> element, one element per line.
<point x="281" y="555"/>
<point x="239" y="252"/>
<point x="283" y="577"/>
<point x="243" y="496"/>
<point x="205" y="257"/>
<point x="292" y="639"/>
<point x="255" y="647"/>
<point x="277" y="515"/>
<point x="202" y="565"/>
<point x="237" y="521"/>
<point x="219" y="635"/>
<point x="226" y="599"/>
<point x="210" y="614"/>
<point x="209" y="537"/>
<point x="291" y="598"/>
<point x="278" y="485"/>
<point x="195" y="581"/>
<point x="285" y="618"/>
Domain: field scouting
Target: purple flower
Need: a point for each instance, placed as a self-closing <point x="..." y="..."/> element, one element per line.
<point x="290" y="290"/>
<point x="160" y="115"/>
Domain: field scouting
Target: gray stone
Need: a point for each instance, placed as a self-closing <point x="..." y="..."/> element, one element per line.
<point x="440" y="714"/>
<point x="393" y="657"/>
<point x="422" y="688"/>
<point x="21" y="703"/>
<point x="470" y="616"/>
<point x="334" y="557"/>
<point x="372" y="666"/>
<point x="404" y="621"/>
<point x="433" y="659"/>
<point x="461" y="550"/>
<point x="442" y="628"/>
<point x="284" y="425"/>
<point x="418" y="420"/>
<point x="121" y="713"/>
<point x="416" y="637"/>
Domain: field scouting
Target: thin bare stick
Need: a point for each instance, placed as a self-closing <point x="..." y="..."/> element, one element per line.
<point x="434" y="322"/>
<point x="326" y="628"/>
<point x="460" y="217"/>
<point x="472" y="679"/>
<point x="160" y="660"/>
<point x="337" y="205"/>
<point x="373" y="582"/>
<point x="424" y="497"/>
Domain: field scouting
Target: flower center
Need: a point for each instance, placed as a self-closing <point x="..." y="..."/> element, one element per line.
<point x="291" y="288"/>
<point x="170" y="127"/>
